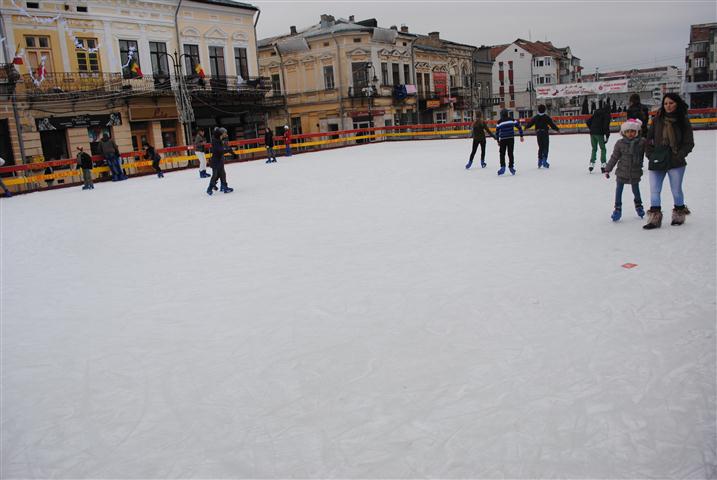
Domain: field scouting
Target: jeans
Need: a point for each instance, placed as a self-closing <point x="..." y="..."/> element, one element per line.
<point x="87" y="177"/>
<point x="270" y="155"/>
<point x="658" y="176"/>
<point x="507" y="144"/>
<point x="477" y="142"/>
<point x="598" y="141"/>
<point x="543" y="144"/>
<point x="635" y="192"/>
<point x="114" y="166"/>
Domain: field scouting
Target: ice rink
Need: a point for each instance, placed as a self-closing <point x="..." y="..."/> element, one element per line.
<point x="375" y="311"/>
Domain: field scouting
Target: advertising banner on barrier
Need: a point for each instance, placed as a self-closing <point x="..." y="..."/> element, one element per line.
<point x="578" y="89"/>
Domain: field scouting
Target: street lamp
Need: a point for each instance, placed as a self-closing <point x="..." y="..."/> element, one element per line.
<point x="183" y="102"/>
<point x="370" y="90"/>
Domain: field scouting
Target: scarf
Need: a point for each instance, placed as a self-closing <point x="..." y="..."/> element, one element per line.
<point x="669" y="132"/>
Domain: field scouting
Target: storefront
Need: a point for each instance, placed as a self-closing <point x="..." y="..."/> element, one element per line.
<point x="701" y="94"/>
<point x="54" y="132"/>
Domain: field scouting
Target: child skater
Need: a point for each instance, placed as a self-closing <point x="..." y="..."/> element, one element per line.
<point x="542" y="123"/>
<point x="269" y="144"/>
<point x="506" y="139"/>
<point x="627" y="155"/>
<point x="151" y="154"/>
<point x="478" y="132"/>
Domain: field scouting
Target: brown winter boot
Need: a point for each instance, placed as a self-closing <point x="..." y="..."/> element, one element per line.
<point x="678" y="215"/>
<point x="654" y="218"/>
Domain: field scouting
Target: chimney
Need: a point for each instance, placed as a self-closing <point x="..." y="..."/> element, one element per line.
<point x="351" y="18"/>
<point x="394" y="27"/>
<point x="293" y="29"/>
<point x="404" y="28"/>
<point x="435" y="35"/>
<point x="327" y="20"/>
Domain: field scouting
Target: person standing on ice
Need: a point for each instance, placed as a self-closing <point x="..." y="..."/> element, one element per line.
<point x="628" y="154"/>
<point x="2" y="184"/>
<point x="217" y="162"/>
<point x="542" y="123"/>
<point x="151" y="154"/>
<point x="287" y="140"/>
<point x="669" y="141"/>
<point x="505" y="132"/>
<point x="638" y="111"/>
<point x="599" y="125"/>
<point x="110" y="152"/>
<point x="84" y="161"/>
<point x="199" y="142"/>
<point x="269" y="144"/>
<point x="478" y="132"/>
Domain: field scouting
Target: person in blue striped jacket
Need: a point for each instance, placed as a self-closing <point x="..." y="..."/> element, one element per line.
<point x="505" y="132"/>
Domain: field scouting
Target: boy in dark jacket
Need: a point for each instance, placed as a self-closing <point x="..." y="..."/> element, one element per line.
<point x="217" y="162"/>
<point x="84" y="161"/>
<point x="599" y="125"/>
<point x="542" y="123"/>
<point x="506" y="139"/>
<point x="627" y="155"/>
<point x="269" y="144"/>
<point x="151" y="154"/>
<point x="638" y="111"/>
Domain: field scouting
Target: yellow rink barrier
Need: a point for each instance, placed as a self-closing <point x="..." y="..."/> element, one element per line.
<point x="187" y="158"/>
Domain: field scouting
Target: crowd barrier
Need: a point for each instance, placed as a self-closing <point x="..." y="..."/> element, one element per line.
<point x="30" y="177"/>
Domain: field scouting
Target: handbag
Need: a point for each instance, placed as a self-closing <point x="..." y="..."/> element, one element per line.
<point x="661" y="158"/>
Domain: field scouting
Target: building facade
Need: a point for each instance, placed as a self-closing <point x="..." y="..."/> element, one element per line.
<point x="522" y="66"/>
<point x="701" y="66"/>
<point x="139" y="71"/>
<point x="650" y="83"/>
<point x="343" y="74"/>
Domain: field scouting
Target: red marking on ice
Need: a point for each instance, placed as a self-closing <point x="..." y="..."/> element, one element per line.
<point x="629" y="265"/>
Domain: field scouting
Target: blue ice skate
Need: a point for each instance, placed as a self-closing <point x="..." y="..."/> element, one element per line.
<point x="616" y="214"/>
<point x="512" y="170"/>
<point x="640" y="211"/>
<point x="501" y="171"/>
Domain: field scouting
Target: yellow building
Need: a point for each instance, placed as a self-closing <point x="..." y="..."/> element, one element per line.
<point x="118" y="66"/>
<point x="343" y="74"/>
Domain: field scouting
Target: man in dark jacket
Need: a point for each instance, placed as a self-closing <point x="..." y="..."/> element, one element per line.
<point x="638" y="111"/>
<point x="599" y="125"/>
<point x="84" y="161"/>
<point x="109" y="150"/>
<point x="269" y="144"/>
<point x="217" y="162"/>
<point x="542" y="123"/>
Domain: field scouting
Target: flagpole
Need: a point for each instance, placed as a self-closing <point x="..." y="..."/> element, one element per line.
<point x="18" y="125"/>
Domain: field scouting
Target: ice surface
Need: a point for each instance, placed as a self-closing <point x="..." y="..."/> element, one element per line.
<point x="375" y="311"/>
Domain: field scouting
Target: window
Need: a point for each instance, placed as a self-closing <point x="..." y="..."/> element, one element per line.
<point x="359" y="73"/>
<point x="384" y="73"/>
<point x="441" y="117"/>
<point x="87" y="61"/>
<point x="276" y="84"/>
<point x="329" y="77"/>
<point x="427" y="82"/>
<point x="125" y="47"/>
<point x="547" y="61"/>
<point x="33" y="4"/>
<point x="241" y="63"/>
<point x="191" y="59"/>
<point x="158" y="54"/>
<point x="326" y="44"/>
<point x="700" y="62"/>
<point x="538" y="63"/>
<point x="81" y="9"/>
<point x="396" y="75"/>
<point x="406" y="74"/>
<point x="419" y="81"/>
<point x="357" y="40"/>
<point x="216" y="61"/>
<point x="296" y="125"/>
<point x="36" y="48"/>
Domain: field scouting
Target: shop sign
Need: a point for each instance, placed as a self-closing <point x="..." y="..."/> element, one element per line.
<point x="366" y="113"/>
<point x="433" y="103"/>
<point x="440" y="81"/>
<point x="79" y="121"/>
<point x="147" y="113"/>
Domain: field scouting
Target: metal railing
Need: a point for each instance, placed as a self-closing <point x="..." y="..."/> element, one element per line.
<point x="69" y="83"/>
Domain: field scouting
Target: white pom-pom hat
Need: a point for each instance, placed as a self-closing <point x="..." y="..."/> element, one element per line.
<point x="631" y="124"/>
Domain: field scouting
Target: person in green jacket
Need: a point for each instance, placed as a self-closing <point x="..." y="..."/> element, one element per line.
<point x="599" y="125"/>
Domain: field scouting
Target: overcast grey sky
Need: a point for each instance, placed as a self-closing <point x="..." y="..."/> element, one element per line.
<point x="611" y="35"/>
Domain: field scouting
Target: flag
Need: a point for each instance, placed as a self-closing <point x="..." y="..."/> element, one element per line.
<point x="134" y="69"/>
<point x="200" y="71"/>
<point x="40" y="73"/>
<point x="17" y="60"/>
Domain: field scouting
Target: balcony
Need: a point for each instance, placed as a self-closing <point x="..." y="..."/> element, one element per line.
<point x="76" y="84"/>
<point x="9" y="77"/>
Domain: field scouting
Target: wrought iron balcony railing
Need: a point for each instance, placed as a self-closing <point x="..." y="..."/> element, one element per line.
<point x="73" y="83"/>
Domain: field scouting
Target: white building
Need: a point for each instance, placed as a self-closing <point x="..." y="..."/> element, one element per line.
<point x="650" y="83"/>
<point x="523" y="65"/>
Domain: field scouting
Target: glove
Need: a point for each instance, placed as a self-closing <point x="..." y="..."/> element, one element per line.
<point x="607" y="174"/>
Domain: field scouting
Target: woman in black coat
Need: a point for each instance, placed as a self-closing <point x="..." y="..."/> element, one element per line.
<point x="670" y="137"/>
<point x="217" y="162"/>
<point x="151" y="154"/>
